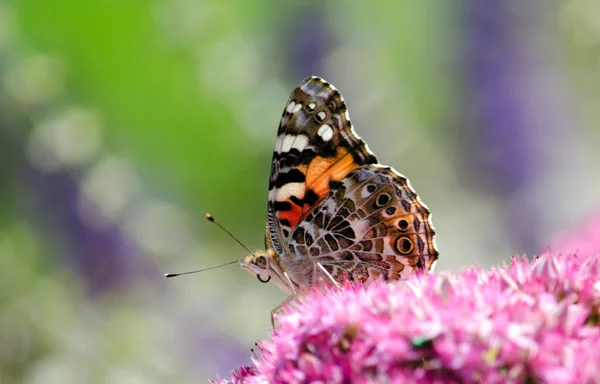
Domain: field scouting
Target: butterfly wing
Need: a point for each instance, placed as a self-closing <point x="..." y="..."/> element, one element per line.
<point x="316" y="148"/>
<point x="373" y="224"/>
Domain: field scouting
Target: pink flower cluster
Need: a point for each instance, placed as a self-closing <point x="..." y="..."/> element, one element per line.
<point x="532" y="322"/>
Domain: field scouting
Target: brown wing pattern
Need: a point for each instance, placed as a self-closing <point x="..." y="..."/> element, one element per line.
<point x="372" y="225"/>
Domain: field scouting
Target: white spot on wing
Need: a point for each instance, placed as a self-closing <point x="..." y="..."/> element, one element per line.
<point x="290" y="189"/>
<point x="365" y="193"/>
<point x="326" y="132"/>
<point x="321" y="115"/>
<point x="324" y="93"/>
<point x="312" y="106"/>
<point x="300" y="143"/>
<point x="290" y="107"/>
<point x="296" y="108"/>
<point x="287" y="142"/>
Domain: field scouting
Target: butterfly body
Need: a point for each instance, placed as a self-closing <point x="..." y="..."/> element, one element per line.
<point x="334" y="213"/>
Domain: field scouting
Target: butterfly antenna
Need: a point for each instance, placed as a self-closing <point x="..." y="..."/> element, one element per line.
<point x="210" y="218"/>
<point x="200" y="270"/>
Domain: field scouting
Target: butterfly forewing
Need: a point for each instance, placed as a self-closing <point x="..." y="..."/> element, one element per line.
<point x="316" y="148"/>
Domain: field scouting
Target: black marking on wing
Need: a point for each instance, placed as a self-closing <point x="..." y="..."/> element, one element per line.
<point x="294" y="157"/>
<point x="297" y="201"/>
<point x="310" y="197"/>
<point x="333" y="185"/>
<point x="294" y="175"/>
<point x="282" y="206"/>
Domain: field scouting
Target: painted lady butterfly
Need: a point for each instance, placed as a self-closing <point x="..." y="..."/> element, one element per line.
<point x="333" y="211"/>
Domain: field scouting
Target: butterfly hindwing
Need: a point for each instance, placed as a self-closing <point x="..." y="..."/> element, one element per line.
<point x="373" y="224"/>
<point x="316" y="149"/>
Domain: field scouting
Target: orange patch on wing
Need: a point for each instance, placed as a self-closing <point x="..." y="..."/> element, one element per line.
<point x="322" y="170"/>
<point x="319" y="172"/>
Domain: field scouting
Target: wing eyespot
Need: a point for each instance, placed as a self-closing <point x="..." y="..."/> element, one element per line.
<point x="404" y="245"/>
<point x="383" y="199"/>
<point x="321" y="116"/>
<point x="403" y="225"/>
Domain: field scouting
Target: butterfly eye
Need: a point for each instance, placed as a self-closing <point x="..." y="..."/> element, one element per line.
<point x="261" y="262"/>
<point x="321" y="116"/>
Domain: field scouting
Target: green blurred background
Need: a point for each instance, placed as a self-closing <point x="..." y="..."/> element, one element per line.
<point x="123" y="122"/>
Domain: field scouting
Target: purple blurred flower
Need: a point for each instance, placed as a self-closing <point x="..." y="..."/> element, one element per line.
<point x="501" y="109"/>
<point x="522" y="322"/>
<point x="106" y="259"/>
<point x="306" y="39"/>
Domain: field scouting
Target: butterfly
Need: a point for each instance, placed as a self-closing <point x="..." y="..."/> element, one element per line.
<point x="334" y="212"/>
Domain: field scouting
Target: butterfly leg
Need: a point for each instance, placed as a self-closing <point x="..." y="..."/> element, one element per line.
<point x="286" y="301"/>
<point x="322" y="268"/>
<point x="277" y="308"/>
<point x="294" y="293"/>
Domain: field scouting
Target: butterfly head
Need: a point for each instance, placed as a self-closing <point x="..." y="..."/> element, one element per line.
<point x="265" y="265"/>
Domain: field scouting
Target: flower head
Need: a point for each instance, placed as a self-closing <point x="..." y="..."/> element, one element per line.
<point x="523" y="321"/>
